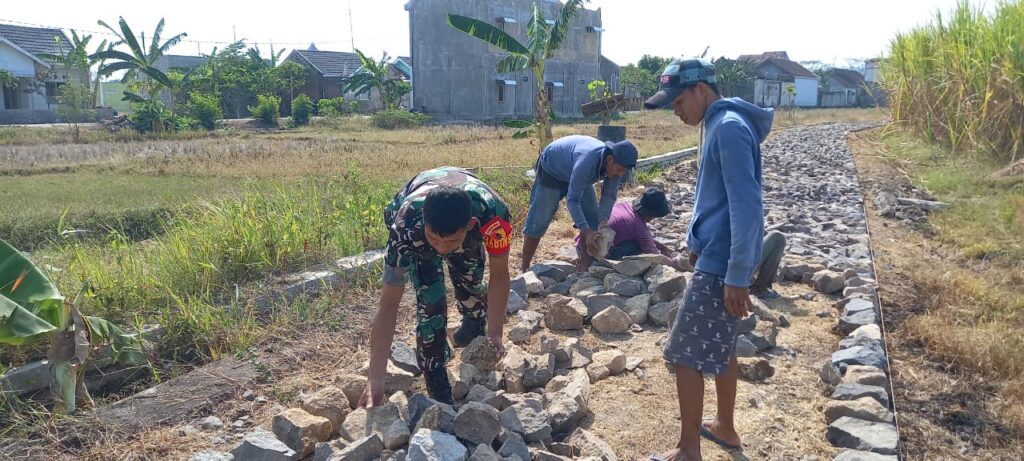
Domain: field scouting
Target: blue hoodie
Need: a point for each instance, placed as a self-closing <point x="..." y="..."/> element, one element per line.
<point x="727" y="229"/>
<point x="579" y="161"/>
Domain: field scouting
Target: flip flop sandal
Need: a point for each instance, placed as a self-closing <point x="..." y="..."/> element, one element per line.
<point x="704" y="432"/>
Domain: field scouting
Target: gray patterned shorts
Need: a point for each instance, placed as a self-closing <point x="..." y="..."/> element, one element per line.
<point x="704" y="334"/>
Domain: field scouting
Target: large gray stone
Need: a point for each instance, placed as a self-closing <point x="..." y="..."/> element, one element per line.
<point x="867" y="290"/>
<point x="210" y="455"/>
<point x="858" y="305"/>
<point x="539" y="370"/>
<point x="664" y="283"/>
<point x="396" y="435"/>
<point x="850" y="391"/>
<point x="624" y="286"/>
<point x="440" y="417"/>
<point x="614" y="360"/>
<point x="427" y="445"/>
<point x="365" y="449"/>
<point x="529" y="419"/>
<point x="859" y="355"/>
<point x="261" y="445"/>
<point x="663" y="314"/>
<point x="611" y="321"/>
<point x="513" y="367"/>
<point x="865" y="408"/>
<point x="745" y="348"/>
<point x="746" y="324"/>
<point x="599" y="272"/>
<point x="858" y="455"/>
<point x="480" y="353"/>
<point x="533" y="284"/>
<point x="636" y="308"/>
<point x="868" y="376"/>
<point x="329" y="402"/>
<point x="421" y="405"/>
<point x="300" y="430"/>
<point x="354" y="427"/>
<point x="515" y="302"/>
<point x="404" y="357"/>
<point x="858" y="434"/>
<point x="868" y="331"/>
<point x="564" y="412"/>
<point x="514" y="445"/>
<point x="764" y="336"/>
<point x="325" y="450"/>
<point x="830" y="374"/>
<point x="484" y="452"/>
<point x="557" y="270"/>
<point x="477" y="423"/>
<point x="632" y="267"/>
<point x="462" y="379"/>
<point x="212" y="423"/>
<point x="565" y="313"/>
<point x="590" y="445"/>
<point x="828" y="282"/>
<point x="584" y="284"/>
<point x="600" y="302"/>
<point x="849" y="323"/>
<point x="518" y="285"/>
<point x="381" y="417"/>
<point x="352" y="386"/>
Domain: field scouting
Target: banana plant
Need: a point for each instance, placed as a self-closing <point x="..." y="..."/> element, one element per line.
<point x="33" y="310"/>
<point x="544" y="39"/>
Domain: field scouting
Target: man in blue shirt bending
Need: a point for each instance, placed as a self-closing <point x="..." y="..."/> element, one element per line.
<point x="569" y="167"/>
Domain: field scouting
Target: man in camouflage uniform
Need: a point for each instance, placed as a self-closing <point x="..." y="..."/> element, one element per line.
<point x="444" y="215"/>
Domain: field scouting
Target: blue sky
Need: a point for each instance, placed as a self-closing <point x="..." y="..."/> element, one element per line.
<point x="827" y="31"/>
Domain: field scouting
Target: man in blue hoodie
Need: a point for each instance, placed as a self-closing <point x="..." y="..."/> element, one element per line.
<point x="725" y="239"/>
<point x="568" y="168"/>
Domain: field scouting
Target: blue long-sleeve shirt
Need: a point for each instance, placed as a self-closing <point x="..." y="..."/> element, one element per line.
<point x="579" y="161"/>
<point x="727" y="228"/>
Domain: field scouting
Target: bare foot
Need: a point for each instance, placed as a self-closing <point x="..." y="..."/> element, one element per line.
<point x="677" y="455"/>
<point x="727" y="435"/>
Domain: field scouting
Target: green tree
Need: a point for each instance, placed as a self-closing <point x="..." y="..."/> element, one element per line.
<point x="7" y="79"/>
<point x="374" y="74"/>
<point x="734" y="77"/>
<point x="138" y="60"/>
<point x="76" y="105"/>
<point x="637" y="81"/>
<point x="543" y="42"/>
<point x="653" y="64"/>
<point x="292" y="75"/>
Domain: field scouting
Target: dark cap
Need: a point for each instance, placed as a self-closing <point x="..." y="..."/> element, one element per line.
<point x="624" y="152"/>
<point x="679" y="75"/>
<point x="652" y="203"/>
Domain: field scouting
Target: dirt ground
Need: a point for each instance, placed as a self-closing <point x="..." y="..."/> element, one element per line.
<point x="944" y="412"/>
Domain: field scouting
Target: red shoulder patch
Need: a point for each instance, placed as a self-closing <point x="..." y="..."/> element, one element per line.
<point x="497" y="235"/>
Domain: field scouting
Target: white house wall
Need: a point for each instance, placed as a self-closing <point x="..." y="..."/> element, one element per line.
<point x="806" y="92"/>
<point x="16" y="62"/>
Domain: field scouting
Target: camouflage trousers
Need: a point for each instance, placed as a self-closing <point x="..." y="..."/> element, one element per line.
<point x="466" y="267"/>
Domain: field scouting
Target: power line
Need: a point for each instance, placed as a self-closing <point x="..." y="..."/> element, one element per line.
<point x="208" y="42"/>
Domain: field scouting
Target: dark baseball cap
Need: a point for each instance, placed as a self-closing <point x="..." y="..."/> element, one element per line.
<point x="679" y="75"/>
<point x="624" y="152"/>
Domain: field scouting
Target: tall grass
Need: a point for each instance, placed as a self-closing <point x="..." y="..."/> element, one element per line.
<point x="960" y="79"/>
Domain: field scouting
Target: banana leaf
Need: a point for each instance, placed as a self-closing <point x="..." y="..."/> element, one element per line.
<point x="18" y="326"/>
<point x="26" y="287"/>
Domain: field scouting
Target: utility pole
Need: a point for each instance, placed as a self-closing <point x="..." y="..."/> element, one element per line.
<point x="351" y="28"/>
